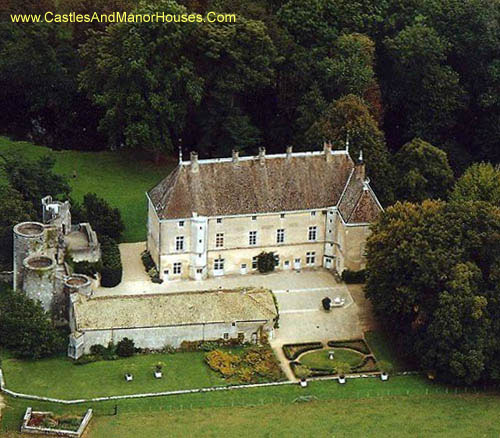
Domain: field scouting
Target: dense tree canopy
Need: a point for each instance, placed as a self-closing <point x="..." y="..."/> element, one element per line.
<point x="480" y="182"/>
<point x="432" y="278"/>
<point x="423" y="172"/>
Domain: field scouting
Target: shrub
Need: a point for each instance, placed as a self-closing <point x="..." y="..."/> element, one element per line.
<point x="341" y="368"/>
<point x="385" y="367"/>
<point x="85" y="359"/>
<point x="86" y="268"/>
<point x="222" y="361"/>
<point x="292" y="351"/>
<point x="353" y="277"/>
<point x="125" y="348"/>
<point x="25" y="328"/>
<point x="98" y="350"/>
<point x="111" y="271"/>
<point x="300" y="370"/>
<point x="266" y="262"/>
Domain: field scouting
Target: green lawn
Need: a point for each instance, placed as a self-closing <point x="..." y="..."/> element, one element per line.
<point x="383" y="349"/>
<point x="319" y="359"/>
<point x="60" y="378"/>
<point x="118" y="177"/>
<point x="435" y="416"/>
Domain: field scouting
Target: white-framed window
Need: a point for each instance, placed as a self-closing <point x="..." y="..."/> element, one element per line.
<point x="254" y="262"/>
<point x="254" y="218"/>
<point x="179" y="243"/>
<point x="312" y="233"/>
<point x="276" y="260"/>
<point x="226" y="336"/>
<point x="219" y="264"/>
<point x="181" y="224"/>
<point x="219" y="220"/>
<point x="313" y="213"/>
<point x="219" y="240"/>
<point x="252" y="238"/>
<point x="310" y="258"/>
<point x="177" y="268"/>
<point x="280" y="235"/>
<point x="287" y="263"/>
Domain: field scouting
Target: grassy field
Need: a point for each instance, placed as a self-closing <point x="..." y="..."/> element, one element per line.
<point x="435" y="416"/>
<point x="319" y="359"/>
<point x="60" y="378"/>
<point x="118" y="177"/>
<point x="402" y="406"/>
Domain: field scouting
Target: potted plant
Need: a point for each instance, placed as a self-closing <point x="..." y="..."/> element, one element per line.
<point x="386" y="368"/>
<point x="303" y="382"/>
<point x="327" y="303"/>
<point x="158" y="370"/>
<point x="342" y="368"/>
<point x="129" y="375"/>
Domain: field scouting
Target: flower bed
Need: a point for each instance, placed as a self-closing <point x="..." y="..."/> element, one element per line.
<point x="46" y="423"/>
<point x="293" y="351"/>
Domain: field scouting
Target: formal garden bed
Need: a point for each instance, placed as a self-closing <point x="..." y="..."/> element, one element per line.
<point x="50" y="424"/>
<point x="337" y="358"/>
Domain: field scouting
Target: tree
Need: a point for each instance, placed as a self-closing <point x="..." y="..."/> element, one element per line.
<point x="142" y="77"/>
<point x="266" y="261"/>
<point x="25" y="328"/>
<point x="432" y="270"/>
<point x="14" y="210"/>
<point x="35" y="180"/>
<point x="480" y="182"/>
<point x="350" y="118"/>
<point x="105" y="220"/>
<point x="423" y="172"/>
<point x="424" y="95"/>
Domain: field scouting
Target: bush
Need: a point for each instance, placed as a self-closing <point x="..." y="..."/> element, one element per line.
<point x="85" y="359"/>
<point x="353" y="277"/>
<point x="266" y="262"/>
<point x="25" y="328"/>
<point x="86" y="268"/>
<point x="293" y="351"/>
<point x="224" y="362"/>
<point x="125" y="348"/>
<point x="98" y="350"/>
<point x="111" y="270"/>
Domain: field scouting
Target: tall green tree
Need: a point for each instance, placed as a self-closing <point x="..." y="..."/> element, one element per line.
<point x="480" y="182"/>
<point x="350" y="118"/>
<point x="423" y="172"/>
<point x="143" y="78"/>
<point x="432" y="271"/>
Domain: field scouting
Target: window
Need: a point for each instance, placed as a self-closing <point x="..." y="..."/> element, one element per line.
<point x="233" y="324"/>
<point x="219" y="240"/>
<point x="254" y="262"/>
<point x="312" y="233"/>
<point x="311" y="258"/>
<point x="280" y="235"/>
<point x="287" y="263"/>
<point x="199" y="271"/>
<point x="313" y="213"/>
<point x="219" y="220"/>
<point x="181" y="224"/>
<point x="282" y="215"/>
<point x="177" y="268"/>
<point x="276" y="260"/>
<point x="226" y="336"/>
<point x="252" y="238"/>
<point x="219" y="264"/>
<point x="179" y="243"/>
<point x="254" y="218"/>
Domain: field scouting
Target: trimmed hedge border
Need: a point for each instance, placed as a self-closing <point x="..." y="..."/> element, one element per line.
<point x="293" y="351"/>
<point x="359" y="345"/>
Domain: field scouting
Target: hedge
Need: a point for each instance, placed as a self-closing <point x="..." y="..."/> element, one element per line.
<point x="293" y="351"/>
<point x="111" y="270"/>
<point x="353" y="277"/>
<point x="358" y="345"/>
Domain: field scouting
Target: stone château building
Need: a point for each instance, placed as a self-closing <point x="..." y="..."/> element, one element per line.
<point x="213" y="217"/>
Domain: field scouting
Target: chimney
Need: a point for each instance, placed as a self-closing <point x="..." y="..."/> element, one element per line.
<point x="195" y="167"/>
<point x="289" y="151"/>
<point x="262" y="156"/>
<point x="360" y="168"/>
<point x="327" y="150"/>
<point x="236" y="156"/>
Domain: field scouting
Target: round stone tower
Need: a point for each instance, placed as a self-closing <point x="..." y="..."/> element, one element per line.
<point x="29" y="238"/>
<point x="78" y="283"/>
<point x="39" y="277"/>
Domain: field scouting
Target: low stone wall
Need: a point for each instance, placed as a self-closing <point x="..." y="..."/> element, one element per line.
<point x="34" y="430"/>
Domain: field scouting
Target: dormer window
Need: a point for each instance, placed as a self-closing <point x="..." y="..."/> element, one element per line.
<point x="219" y="220"/>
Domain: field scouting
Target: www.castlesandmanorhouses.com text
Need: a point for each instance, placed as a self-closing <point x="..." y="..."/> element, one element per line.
<point x="123" y="17"/>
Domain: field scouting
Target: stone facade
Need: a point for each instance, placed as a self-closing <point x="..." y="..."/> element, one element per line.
<point x="225" y="237"/>
<point x="39" y="253"/>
